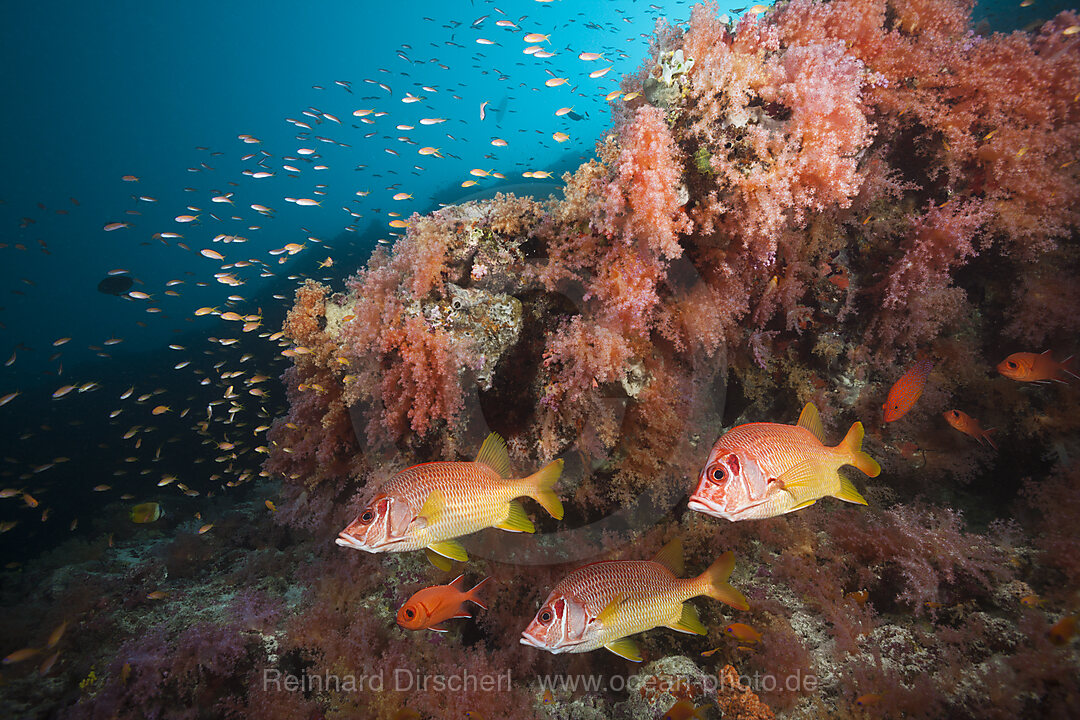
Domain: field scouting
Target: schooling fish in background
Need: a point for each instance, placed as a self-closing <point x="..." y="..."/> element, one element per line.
<point x="429" y="505"/>
<point x="969" y="426"/>
<point x="761" y="470"/>
<point x="905" y="391"/>
<point x="601" y="604"/>
<point x="427" y="609"/>
<point x="1032" y="367"/>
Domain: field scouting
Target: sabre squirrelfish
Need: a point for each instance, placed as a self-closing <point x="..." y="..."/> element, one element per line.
<point x="762" y="470"/>
<point x="427" y="609"/>
<point x="429" y="505"/>
<point x="601" y="604"/>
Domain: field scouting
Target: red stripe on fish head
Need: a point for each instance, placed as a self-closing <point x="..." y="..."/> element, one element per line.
<point x="559" y="625"/>
<point x="730" y="482"/>
<point x="377" y="526"/>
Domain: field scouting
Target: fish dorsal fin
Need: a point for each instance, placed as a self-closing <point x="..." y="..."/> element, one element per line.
<point x="451" y="549"/>
<point x="456" y="582"/>
<point x="516" y="519"/>
<point x="625" y="647"/>
<point x="432" y="508"/>
<point x="608" y="613"/>
<point x="688" y="621"/>
<point x="671" y="557"/>
<point x="493" y="454"/>
<point x="439" y="561"/>
<point x="810" y="419"/>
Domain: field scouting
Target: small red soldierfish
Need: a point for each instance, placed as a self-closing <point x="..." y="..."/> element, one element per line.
<point x="429" y="505"/>
<point x="906" y="390"/>
<point x="601" y="604"/>
<point x="430" y="607"/>
<point x="969" y="426"/>
<point x="762" y="470"/>
<point x="1031" y="367"/>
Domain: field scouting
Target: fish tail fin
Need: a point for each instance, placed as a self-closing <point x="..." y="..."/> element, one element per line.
<point x="852" y="443"/>
<point x="714" y="582"/>
<point x="1066" y="367"/>
<point x="474" y="597"/>
<point x="540" y="486"/>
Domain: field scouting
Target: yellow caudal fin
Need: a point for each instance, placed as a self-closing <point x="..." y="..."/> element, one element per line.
<point x="852" y="443"/>
<point x="714" y="582"/>
<point x="540" y="486"/>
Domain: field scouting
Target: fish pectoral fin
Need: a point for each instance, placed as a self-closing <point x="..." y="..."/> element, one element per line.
<point x="802" y="505"/>
<point x="848" y="493"/>
<point x="516" y="520"/>
<point x="802" y="482"/>
<point x="443" y="563"/>
<point x="625" y="647"/>
<point x="688" y="621"/>
<point x="610" y="609"/>
<point x="432" y="508"/>
<point x="451" y="549"/>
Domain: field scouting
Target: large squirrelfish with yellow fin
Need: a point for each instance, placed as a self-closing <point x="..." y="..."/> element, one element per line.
<point x="762" y="470"/>
<point x="430" y="505"/>
<point x="601" y="604"/>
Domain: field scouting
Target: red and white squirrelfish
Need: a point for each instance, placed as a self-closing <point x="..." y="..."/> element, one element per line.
<point x="762" y="470"/>
<point x="602" y="603"/>
<point x="429" y="505"/>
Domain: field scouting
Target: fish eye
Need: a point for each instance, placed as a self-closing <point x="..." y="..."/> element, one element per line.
<point x="545" y="617"/>
<point x="367" y="516"/>
<point x="410" y="613"/>
<point x="1012" y="364"/>
<point x="717" y="474"/>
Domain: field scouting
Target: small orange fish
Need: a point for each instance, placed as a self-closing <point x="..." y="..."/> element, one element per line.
<point x="969" y="426"/>
<point x="1029" y="367"/>
<point x="684" y="710"/>
<point x="430" y="607"/>
<point x="907" y="390"/>
<point x="21" y="655"/>
<point x="859" y="596"/>
<point x="1063" y="630"/>
<point x="743" y="632"/>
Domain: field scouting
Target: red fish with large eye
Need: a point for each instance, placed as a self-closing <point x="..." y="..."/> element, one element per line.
<point x="761" y="470"/>
<point x="1037" y="368"/>
<point x="429" y="608"/>
<point x="601" y="604"/>
<point x="431" y="505"/>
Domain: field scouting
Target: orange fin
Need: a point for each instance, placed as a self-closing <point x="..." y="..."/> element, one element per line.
<point x="852" y="442"/>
